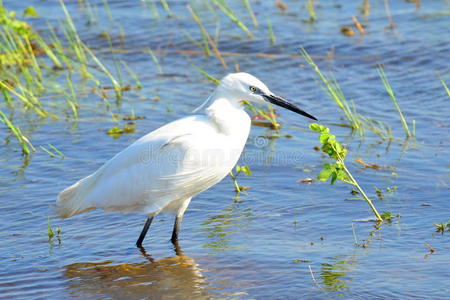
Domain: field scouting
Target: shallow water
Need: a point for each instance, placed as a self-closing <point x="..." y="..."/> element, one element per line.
<point x="283" y="239"/>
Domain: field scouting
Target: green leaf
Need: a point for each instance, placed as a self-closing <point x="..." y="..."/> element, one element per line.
<point x="338" y="147"/>
<point x="324" y="137"/>
<point x="341" y="174"/>
<point x="326" y="172"/>
<point x="49" y="229"/>
<point x="387" y="215"/>
<point x="246" y="170"/>
<point x="30" y="12"/>
<point x="333" y="177"/>
<point x="316" y="127"/>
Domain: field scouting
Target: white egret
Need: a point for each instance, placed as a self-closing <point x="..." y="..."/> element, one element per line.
<point x="164" y="169"/>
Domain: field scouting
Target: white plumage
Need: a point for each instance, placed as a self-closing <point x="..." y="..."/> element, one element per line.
<point x="164" y="169"/>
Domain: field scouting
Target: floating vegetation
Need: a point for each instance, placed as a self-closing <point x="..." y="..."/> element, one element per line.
<point x="366" y="165"/>
<point x="379" y="193"/>
<point x="345" y="30"/>
<point x="358" y="25"/>
<point x="338" y="170"/>
<point x="117" y="131"/>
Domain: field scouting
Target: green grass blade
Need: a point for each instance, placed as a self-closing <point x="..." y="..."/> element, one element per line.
<point x="391" y="94"/>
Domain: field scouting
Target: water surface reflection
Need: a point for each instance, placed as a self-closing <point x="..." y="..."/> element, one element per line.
<point x="176" y="277"/>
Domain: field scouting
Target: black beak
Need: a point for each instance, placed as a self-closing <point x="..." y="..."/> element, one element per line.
<point x="283" y="103"/>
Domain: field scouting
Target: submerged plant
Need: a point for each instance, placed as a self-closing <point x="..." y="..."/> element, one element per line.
<point x="338" y="169"/>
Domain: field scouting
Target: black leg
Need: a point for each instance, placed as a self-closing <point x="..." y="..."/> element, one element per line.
<point x="176" y="229"/>
<point x="144" y="231"/>
<point x="177" y="249"/>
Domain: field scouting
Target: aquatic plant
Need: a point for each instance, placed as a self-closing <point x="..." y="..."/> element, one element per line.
<point x="117" y="131"/>
<point x="49" y="229"/>
<point x="311" y="11"/>
<point x="166" y="7"/>
<point x="334" y="91"/>
<point x="27" y="147"/>
<point x="238" y="170"/>
<point x="444" y="85"/>
<point x="207" y="38"/>
<point x="220" y="4"/>
<point x="270" y="32"/>
<point x="391" y="94"/>
<point x="338" y="169"/>
<point x="24" y="58"/>
<point x="155" y="60"/>
<point x="356" y="121"/>
<point x="442" y="227"/>
<point x="365" y="8"/>
<point x="248" y="6"/>
<point x="54" y="152"/>
<point x="51" y="233"/>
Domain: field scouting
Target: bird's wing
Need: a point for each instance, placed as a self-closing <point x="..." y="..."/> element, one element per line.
<point x="171" y="163"/>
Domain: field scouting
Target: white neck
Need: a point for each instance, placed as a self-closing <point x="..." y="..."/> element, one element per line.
<point x="229" y="116"/>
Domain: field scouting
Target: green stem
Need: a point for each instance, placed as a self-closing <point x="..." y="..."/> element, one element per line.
<point x="379" y="218"/>
<point x="236" y="185"/>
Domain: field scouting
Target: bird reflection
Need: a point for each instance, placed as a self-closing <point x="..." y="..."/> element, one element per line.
<point x="176" y="277"/>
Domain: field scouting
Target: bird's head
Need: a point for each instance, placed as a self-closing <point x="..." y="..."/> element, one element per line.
<point x="243" y="86"/>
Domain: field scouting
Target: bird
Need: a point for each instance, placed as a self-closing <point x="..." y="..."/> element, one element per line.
<point x="161" y="171"/>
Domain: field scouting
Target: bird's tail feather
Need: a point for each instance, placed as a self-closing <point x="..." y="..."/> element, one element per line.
<point x="71" y="201"/>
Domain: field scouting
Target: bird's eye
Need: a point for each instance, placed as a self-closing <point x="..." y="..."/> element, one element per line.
<point x="253" y="89"/>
